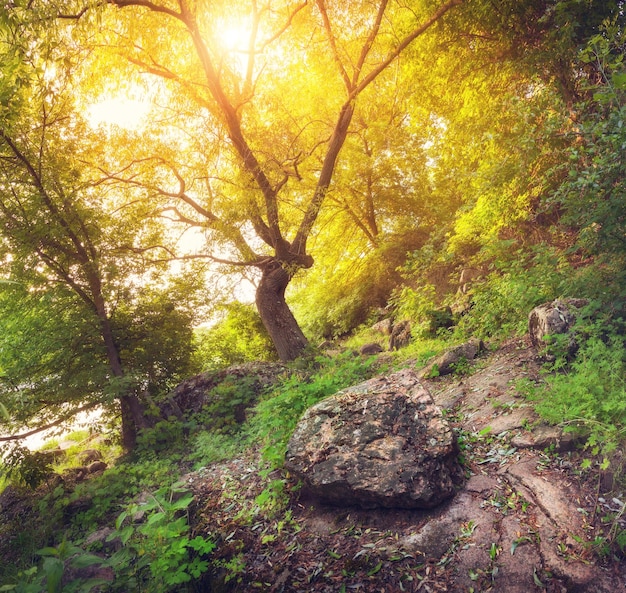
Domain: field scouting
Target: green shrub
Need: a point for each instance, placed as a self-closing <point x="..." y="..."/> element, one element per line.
<point x="239" y="337"/>
<point x="589" y="396"/>
<point x="158" y="553"/>
<point x="520" y="282"/>
<point x="25" y="467"/>
<point x="51" y="576"/>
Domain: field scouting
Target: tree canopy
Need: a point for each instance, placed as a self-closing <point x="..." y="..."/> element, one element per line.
<point x="308" y="145"/>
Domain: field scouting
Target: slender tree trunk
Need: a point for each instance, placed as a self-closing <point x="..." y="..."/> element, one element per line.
<point x="132" y="411"/>
<point x="275" y="313"/>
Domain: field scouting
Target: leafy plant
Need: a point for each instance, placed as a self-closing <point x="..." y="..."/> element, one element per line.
<point x="51" y="576"/>
<point x="589" y="395"/>
<point x="26" y="467"/>
<point x="158" y="551"/>
<point x="521" y="280"/>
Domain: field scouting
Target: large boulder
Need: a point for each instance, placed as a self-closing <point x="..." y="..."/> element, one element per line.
<point x="552" y="318"/>
<point x="383" y="443"/>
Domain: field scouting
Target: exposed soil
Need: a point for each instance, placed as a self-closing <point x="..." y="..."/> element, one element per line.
<point x="527" y="519"/>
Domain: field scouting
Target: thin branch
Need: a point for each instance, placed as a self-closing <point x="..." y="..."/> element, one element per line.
<point x="412" y="36"/>
<point x="147" y="4"/>
<point x="333" y="44"/>
<point x="17" y="437"/>
<point x="286" y="26"/>
<point x="367" y="46"/>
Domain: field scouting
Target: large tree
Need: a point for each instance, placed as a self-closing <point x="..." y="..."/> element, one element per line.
<point x="266" y="118"/>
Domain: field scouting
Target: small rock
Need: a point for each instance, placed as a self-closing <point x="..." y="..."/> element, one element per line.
<point x="552" y="318"/>
<point x="369" y="349"/>
<point x="545" y="436"/>
<point x="384" y="326"/>
<point x="90" y="455"/>
<point x="445" y="364"/>
<point x="96" y="466"/>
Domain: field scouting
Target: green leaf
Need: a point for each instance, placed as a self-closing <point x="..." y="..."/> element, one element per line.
<point x="156" y="518"/>
<point x="120" y="520"/>
<point x="53" y="568"/>
<point x="537" y="580"/>
<point x="183" y="503"/>
<point x="48" y="552"/>
<point x="375" y="569"/>
<point x="85" y="560"/>
<point x="619" y="80"/>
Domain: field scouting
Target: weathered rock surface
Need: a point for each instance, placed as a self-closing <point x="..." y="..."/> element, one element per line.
<point x="383" y="443"/>
<point x="552" y="318"/>
<point x="400" y="335"/>
<point x="445" y="364"/>
<point x="384" y="326"/>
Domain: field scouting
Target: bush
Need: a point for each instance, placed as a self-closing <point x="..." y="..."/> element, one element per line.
<point x="589" y="396"/>
<point x="520" y="282"/>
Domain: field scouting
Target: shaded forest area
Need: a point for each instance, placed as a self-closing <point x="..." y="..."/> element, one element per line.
<point x="189" y="185"/>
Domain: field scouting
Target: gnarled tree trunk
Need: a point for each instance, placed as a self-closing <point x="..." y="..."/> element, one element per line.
<point x="275" y="313"/>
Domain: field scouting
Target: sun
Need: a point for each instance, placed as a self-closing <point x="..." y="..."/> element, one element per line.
<point x="234" y="37"/>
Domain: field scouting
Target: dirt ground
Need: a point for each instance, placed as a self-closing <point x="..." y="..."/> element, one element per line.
<point x="527" y="519"/>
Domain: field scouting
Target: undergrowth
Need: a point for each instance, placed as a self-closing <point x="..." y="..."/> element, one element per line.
<point x="587" y="394"/>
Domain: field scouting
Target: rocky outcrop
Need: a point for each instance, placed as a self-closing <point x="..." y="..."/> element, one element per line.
<point x="249" y="380"/>
<point x="383" y="443"/>
<point x="449" y="361"/>
<point x="552" y="318"/>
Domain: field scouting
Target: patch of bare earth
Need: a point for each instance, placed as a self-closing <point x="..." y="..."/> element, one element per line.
<point x="522" y="522"/>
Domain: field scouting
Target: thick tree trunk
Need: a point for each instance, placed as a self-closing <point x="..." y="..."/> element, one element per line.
<point x="276" y="315"/>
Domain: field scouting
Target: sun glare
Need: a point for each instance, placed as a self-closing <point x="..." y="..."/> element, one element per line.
<point x="129" y="114"/>
<point x="235" y="38"/>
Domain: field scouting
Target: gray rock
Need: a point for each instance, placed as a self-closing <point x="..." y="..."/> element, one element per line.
<point x="445" y="364"/>
<point x="89" y="455"/>
<point x="552" y="318"/>
<point x="383" y="443"/>
<point x="372" y="348"/>
<point x="384" y="326"/>
<point x="469" y="276"/>
<point x="190" y="396"/>
<point x="96" y="466"/>
<point x="400" y="335"/>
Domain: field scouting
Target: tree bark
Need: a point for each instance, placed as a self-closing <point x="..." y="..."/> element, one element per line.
<point x="275" y="313"/>
<point x="132" y="411"/>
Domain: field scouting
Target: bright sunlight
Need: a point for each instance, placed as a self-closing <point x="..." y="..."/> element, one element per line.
<point x="129" y="114"/>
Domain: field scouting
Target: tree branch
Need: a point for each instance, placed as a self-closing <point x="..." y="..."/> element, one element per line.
<point x="412" y="36"/>
<point x="333" y="44"/>
<point x="18" y="437"/>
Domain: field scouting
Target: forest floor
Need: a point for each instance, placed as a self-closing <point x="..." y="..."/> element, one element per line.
<point x="527" y="518"/>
